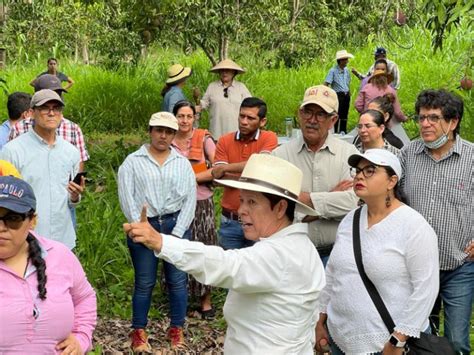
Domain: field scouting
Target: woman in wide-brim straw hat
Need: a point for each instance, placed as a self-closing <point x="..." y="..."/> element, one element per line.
<point x="274" y="285"/>
<point x="223" y="98"/>
<point x="173" y="90"/>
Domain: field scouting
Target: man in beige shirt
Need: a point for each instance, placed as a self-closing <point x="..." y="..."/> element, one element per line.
<point x="327" y="185"/>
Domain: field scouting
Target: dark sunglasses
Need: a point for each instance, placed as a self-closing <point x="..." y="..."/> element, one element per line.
<point x="15" y="220"/>
<point x="226" y="94"/>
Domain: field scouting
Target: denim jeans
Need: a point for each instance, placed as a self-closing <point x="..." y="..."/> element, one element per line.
<point x="145" y="264"/>
<point x="231" y="235"/>
<point x="73" y="217"/>
<point x="457" y="291"/>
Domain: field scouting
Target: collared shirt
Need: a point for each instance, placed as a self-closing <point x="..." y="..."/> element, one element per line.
<point x="339" y="79"/>
<point x="272" y="304"/>
<point x="165" y="189"/>
<point x="443" y="192"/>
<point x="392" y="69"/>
<point x="68" y="130"/>
<point x="224" y="111"/>
<point x="48" y="169"/>
<point x="231" y="149"/>
<point x="386" y="146"/>
<point x="29" y="325"/>
<point x="400" y="256"/>
<point x="4" y="133"/>
<point x="174" y="94"/>
<point x="322" y="171"/>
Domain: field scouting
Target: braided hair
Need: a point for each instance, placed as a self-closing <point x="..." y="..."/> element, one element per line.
<point x="34" y="254"/>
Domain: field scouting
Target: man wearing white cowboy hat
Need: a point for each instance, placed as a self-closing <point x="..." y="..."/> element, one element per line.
<point x="327" y="184"/>
<point x="275" y="285"/>
<point x="173" y="90"/>
<point x="223" y="97"/>
<point x="339" y="79"/>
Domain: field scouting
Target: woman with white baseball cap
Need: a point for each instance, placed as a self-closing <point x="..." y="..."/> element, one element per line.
<point x="400" y="256"/>
<point x="272" y="304"/>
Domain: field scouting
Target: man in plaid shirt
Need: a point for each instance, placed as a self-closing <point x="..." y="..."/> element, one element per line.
<point x="438" y="182"/>
<point x="67" y="129"/>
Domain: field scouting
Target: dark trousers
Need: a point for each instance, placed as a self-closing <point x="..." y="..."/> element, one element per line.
<point x="344" y="101"/>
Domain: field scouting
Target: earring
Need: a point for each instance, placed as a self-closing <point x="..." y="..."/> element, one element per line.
<point x="388" y="201"/>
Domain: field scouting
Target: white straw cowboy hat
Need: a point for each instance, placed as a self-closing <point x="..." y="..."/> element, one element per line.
<point x="269" y="174"/>
<point x="227" y="64"/>
<point x="343" y="55"/>
<point x="177" y="72"/>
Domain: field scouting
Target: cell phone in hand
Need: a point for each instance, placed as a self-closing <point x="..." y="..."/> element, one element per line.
<point x="77" y="178"/>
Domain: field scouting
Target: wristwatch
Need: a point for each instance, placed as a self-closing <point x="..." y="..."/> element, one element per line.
<point x="396" y="342"/>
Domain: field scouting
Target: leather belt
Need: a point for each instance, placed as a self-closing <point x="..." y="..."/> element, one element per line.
<point x="230" y="214"/>
<point x="324" y="250"/>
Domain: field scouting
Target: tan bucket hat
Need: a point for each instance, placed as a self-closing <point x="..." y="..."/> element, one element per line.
<point x="323" y="96"/>
<point x="163" y="119"/>
<point x="227" y="64"/>
<point x="177" y="72"/>
<point x="273" y="175"/>
<point x="343" y="54"/>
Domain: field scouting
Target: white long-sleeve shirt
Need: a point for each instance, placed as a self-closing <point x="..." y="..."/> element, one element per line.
<point x="400" y="256"/>
<point x="272" y="305"/>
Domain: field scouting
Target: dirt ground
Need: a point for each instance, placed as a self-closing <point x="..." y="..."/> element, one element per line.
<point x="202" y="337"/>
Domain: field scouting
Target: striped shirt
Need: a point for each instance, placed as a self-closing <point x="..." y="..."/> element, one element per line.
<point x="339" y="79"/>
<point x="386" y="146"/>
<point x="165" y="189"/>
<point x="67" y="129"/>
<point x="442" y="191"/>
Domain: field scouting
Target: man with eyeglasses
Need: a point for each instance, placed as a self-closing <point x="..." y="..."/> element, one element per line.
<point x="232" y="152"/>
<point x="327" y="184"/>
<point x="438" y="182"/>
<point x="48" y="163"/>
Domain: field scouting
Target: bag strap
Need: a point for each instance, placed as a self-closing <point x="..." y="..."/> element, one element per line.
<point x="371" y="289"/>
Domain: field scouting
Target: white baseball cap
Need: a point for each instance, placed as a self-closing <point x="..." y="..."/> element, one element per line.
<point x="380" y="157"/>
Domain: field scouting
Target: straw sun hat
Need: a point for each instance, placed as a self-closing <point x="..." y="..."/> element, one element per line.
<point x="380" y="72"/>
<point x="227" y="64"/>
<point x="177" y="72"/>
<point x="269" y="174"/>
<point x="343" y="54"/>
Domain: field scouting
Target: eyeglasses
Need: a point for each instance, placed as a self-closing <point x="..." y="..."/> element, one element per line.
<point x="14" y="220"/>
<point x="185" y="117"/>
<point x="46" y="110"/>
<point x="319" y="115"/>
<point x="366" y="125"/>
<point x="430" y="118"/>
<point x="226" y="92"/>
<point x="367" y="171"/>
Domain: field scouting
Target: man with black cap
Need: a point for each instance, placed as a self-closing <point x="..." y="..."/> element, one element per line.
<point x="67" y="129"/>
<point x="381" y="53"/>
<point x="48" y="163"/>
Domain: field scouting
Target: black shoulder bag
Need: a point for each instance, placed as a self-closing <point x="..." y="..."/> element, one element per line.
<point x="427" y="344"/>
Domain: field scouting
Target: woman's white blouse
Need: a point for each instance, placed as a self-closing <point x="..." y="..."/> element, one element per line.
<point x="272" y="305"/>
<point x="400" y="256"/>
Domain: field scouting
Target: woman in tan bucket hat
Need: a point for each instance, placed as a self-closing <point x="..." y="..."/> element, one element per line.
<point x="223" y="98"/>
<point x="173" y="90"/>
<point x="274" y="286"/>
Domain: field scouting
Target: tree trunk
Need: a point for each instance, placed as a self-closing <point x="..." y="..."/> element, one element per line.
<point x="85" y="52"/>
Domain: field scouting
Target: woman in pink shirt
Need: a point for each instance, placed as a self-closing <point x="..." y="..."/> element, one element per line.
<point x="378" y="86"/>
<point x="198" y="146"/>
<point x="47" y="306"/>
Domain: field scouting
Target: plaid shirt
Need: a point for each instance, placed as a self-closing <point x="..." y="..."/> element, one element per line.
<point x="67" y="129"/>
<point x="442" y="191"/>
<point x="386" y="146"/>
